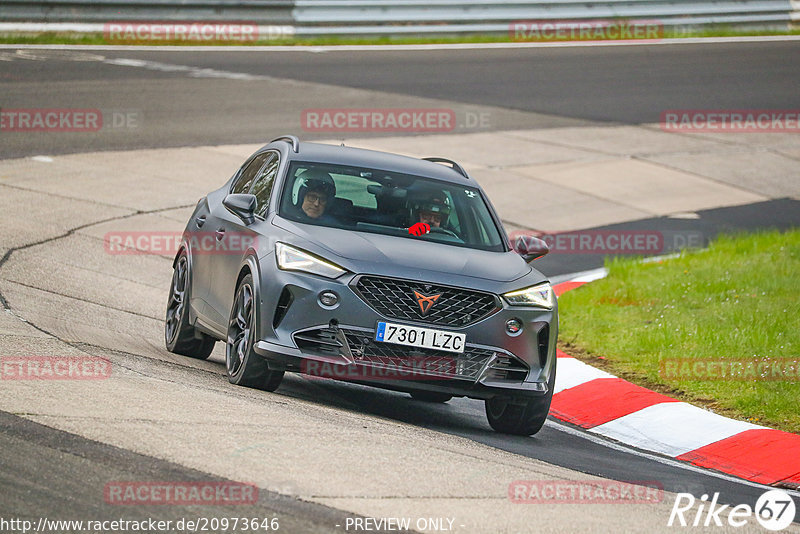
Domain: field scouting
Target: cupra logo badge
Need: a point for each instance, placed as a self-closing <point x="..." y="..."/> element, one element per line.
<point x="425" y="302"/>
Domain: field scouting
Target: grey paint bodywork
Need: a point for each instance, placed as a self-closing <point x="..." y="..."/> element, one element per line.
<point x="214" y="278"/>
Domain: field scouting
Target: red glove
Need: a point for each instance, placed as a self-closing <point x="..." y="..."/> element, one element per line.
<point x="419" y="228"/>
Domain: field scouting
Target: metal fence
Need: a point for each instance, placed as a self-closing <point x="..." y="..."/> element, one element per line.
<point x="392" y="17"/>
<point x="266" y="11"/>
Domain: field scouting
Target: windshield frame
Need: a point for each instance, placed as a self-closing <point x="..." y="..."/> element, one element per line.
<point x="287" y="184"/>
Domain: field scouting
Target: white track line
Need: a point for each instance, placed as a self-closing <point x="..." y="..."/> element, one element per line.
<point x="593" y="274"/>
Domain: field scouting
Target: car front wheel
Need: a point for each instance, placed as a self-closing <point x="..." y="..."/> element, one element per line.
<point x="523" y="417"/>
<point x="244" y="366"/>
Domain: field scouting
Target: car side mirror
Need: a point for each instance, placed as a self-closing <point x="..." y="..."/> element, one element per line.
<point x="530" y="248"/>
<point x="243" y="206"/>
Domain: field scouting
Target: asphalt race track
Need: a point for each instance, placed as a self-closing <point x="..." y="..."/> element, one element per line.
<point x="314" y="448"/>
<point x="523" y="88"/>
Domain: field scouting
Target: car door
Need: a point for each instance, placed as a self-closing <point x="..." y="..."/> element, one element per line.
<point x="235" y="236"/>
<point x="200" y="267"/>
<point x="212" y="247"/>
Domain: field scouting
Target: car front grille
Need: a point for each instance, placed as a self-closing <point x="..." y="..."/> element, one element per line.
<point x="360" y="347"/>
<point x="400" y="299"/>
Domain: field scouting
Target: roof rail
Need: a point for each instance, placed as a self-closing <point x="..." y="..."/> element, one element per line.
<point x="456" y="167"/>
<point x="289" y="139"/>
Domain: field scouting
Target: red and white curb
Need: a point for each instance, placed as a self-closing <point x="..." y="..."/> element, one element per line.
<point x="614" y="408"/>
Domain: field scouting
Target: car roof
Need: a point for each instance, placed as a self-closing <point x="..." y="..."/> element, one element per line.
<point x="360" y="157"/>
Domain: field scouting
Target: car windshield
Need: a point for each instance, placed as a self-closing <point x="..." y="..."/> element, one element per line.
<point x="389" y="203"/>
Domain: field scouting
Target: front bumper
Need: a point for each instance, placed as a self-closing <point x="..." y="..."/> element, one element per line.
<point x="300" y="334"/>
<point x="397" y="377"/>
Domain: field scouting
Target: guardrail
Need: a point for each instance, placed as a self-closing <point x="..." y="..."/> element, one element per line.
<point x="393" y="17"/>
<point x="252" y="11"/>
<point x="319" y="17"/>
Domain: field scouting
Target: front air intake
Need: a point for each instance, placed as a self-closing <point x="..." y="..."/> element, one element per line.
<point x="328" y="341"/>
<point x="282" y="307"/>
<point x="543" y="343"/>
<point x="507" y="367"/>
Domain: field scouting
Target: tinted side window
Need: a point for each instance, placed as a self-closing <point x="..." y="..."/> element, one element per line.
<point x="262" y="187"/>
<point x="245" y="180"/>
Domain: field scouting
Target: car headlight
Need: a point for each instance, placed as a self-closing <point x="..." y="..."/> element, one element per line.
<point x="539" y="296"/>
<point x="294" y="259"/>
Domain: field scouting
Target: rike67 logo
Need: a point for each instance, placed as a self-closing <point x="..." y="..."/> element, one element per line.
<point x="774" y="510"/>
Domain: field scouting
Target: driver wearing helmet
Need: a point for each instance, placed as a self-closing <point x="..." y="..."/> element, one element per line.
<point x="316" y="192"/>
<point x="433" y="211"/>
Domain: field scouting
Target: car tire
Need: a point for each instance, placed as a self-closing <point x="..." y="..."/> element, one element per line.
<point x="244" y="366"/>
<point x="522" y="417"/>
<point x="181" y="337"/>
<point x="430" y="396"/>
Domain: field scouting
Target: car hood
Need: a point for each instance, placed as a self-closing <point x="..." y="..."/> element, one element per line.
<point x="367" y="248"/>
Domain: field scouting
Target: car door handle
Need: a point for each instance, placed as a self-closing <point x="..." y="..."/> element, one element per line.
<point x="220" y="233"/>
<point x="200" y="221"/>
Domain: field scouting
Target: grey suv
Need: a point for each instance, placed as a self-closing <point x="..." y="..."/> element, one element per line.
<point x="367" y="267"/>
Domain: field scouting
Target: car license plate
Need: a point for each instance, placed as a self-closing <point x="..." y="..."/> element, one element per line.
<point x="426" y="338"/>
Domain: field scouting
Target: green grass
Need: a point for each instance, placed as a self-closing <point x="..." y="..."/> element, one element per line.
<point x="737" y="300"/>
<point x="98" y="38"/>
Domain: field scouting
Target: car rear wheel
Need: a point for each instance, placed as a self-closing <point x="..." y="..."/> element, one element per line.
<point x="522" y="417"/>
<point x="245" y="367"/>
<point x="180" y="336"/>
<point x="430" y="396"/>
